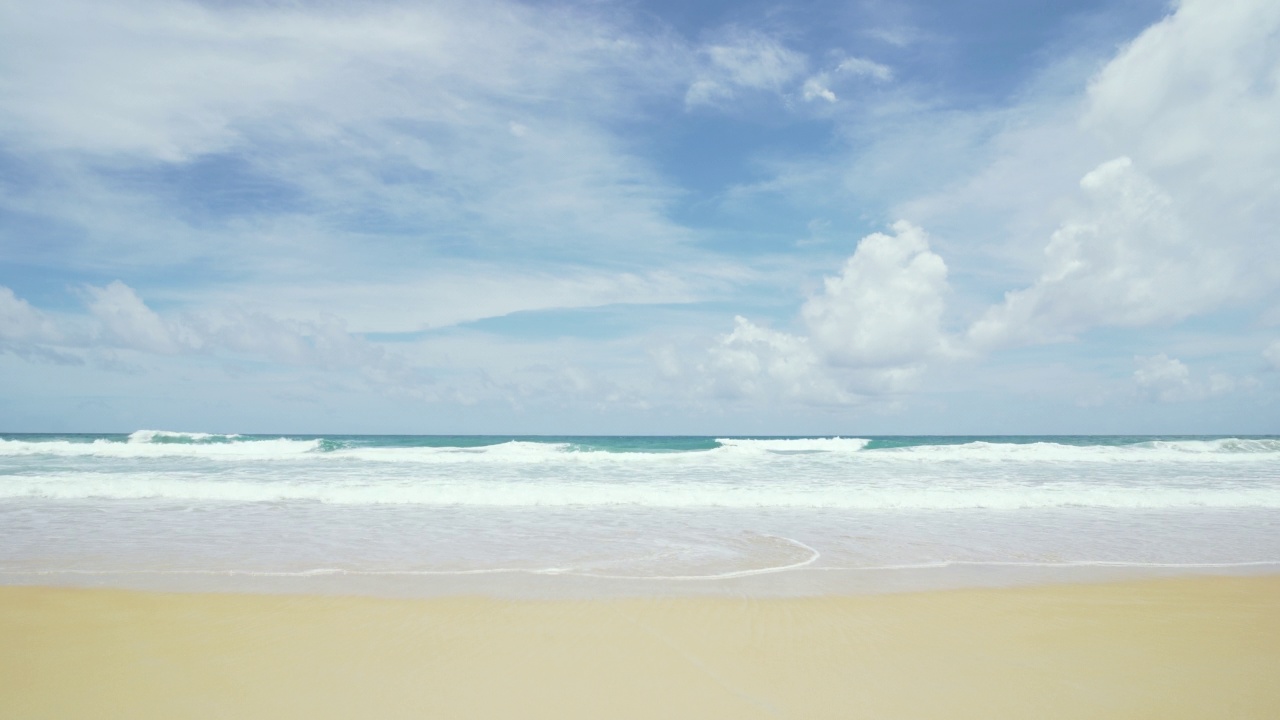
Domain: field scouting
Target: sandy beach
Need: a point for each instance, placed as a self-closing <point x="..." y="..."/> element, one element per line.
<point x="1202" y="647"/>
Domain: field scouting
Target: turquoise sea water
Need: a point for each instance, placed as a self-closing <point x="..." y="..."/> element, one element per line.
<point x="803" y="511"/>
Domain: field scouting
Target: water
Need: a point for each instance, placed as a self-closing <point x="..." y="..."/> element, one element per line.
<point x="803" y="514"/>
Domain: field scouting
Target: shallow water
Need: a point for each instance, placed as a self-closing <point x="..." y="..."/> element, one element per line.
<point x="784" y="514"/>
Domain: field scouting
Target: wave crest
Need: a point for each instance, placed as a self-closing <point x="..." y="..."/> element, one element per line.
<point x="179" y="438"/>
<point x="784" y="446"/>
<point x="830" y="451"/>
<point x="761" y="493"/>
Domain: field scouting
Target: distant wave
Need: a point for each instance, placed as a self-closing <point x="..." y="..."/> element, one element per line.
<point x="795" y="445"/>
<point x="161" y="443"/>
<point x="1220" y="448"/>
<point x="182" y="438"/>
<point x="145" y="446"/>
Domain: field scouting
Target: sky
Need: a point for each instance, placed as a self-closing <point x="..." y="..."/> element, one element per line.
<point x="631" y="217"/>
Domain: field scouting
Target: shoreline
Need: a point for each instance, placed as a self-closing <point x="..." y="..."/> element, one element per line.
<point x="800" y="580"/>
<point x="1183" y="647"/>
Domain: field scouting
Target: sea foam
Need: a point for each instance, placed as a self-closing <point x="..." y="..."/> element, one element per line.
<point x="154" y="443"/>
<point x="166" y="501"/>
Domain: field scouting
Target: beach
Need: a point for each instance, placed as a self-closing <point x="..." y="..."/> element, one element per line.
<point x="185" y="575"/>
<point x="1188" y="647"/>
<point x="610" y="359"/>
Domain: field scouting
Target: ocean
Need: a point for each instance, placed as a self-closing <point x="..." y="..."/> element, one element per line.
<point x="426" y="514"/>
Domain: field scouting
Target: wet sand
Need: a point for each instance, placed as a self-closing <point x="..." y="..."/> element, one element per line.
<point x="1204" y="647"/>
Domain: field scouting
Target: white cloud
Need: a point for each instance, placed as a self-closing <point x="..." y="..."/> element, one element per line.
<point x="815" y="89"/>
<point x="1129" y="260"/>
<point x="1175" y="138"/>
<point x="413" y="135"/>
<point x="862" y="67"/>
<point x="128" y="322"/>
<point x="325" y="344"/>
<point x="1165" y="379"/>
<point x="21" y="323"/>
<point x="120" y="320"/>
<point x="187" y="78"/>
<point x="761" y="363"/>
<point x="868" y="333"/>
<point x="818" y="87"/>
<point x="459" y="292"/>
<point x="120" y="331"/>
<point x="424" y="127"/>
<point x="1181" y="224"/>
<point x="402" y="137"/>
<point x="743" y="60"/>
<point x="1195" y="100"/>
<point x="885" y="306"/>
<point x="1198" y="88"/>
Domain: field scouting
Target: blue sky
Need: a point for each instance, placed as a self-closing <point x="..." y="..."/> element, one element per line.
<point x="631" y="217"/>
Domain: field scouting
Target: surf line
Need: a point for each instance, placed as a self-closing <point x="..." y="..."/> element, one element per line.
<point x="321" y="572"/>
<point x="814" y="555"/>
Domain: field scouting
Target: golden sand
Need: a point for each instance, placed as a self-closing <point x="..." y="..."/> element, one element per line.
<point x="1185" y="648"/>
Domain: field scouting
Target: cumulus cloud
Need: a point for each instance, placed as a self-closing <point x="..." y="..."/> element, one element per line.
<point x="743" y="61"/>
<point x="885" y="306"/>
<point x="1195" y="100"/>
<point x="1198" y="88"/>
<point x="868" y="332"/>
<point x="1129" y="260"/>
<point x="759" y="362"/>
<point x="1174" y="218"/>
<point x="1161" y="378"/>
<point x="397" y="137"/>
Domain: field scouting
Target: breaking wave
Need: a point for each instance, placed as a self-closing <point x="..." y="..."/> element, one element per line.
<point x="754" y="492"/>
<point x="161" y="443"/>
<point x="145" y="444"/>
<point x="179" y="438"/>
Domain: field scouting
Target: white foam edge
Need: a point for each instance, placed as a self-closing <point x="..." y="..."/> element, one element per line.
<point x="814" y="555"/>
<point x="804" y="565"/>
